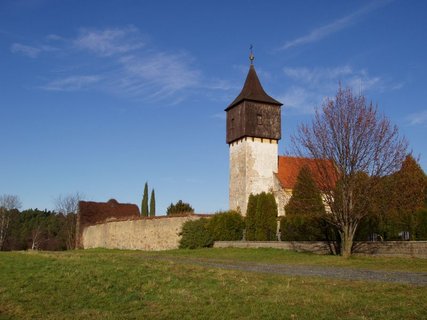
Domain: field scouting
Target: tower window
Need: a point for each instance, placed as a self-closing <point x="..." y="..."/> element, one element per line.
<point x="232" y="123"/>
<point x="259" y="119"/>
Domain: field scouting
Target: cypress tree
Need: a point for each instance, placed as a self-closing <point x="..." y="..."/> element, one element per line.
<point x="266" y="215"/>
<point x="261" y="215"/>
<point x="250" y="219"/>
<point x="152" y="204"/>
<point x="144" y="203"/>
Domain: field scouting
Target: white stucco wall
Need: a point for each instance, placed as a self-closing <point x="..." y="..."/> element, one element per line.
<point x="253" y="162"/>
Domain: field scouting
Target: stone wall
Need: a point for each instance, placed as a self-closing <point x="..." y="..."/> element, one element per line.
<point x="416" y="249"/>
<point x="91" y="213"/>
<point x="158" y="233"/>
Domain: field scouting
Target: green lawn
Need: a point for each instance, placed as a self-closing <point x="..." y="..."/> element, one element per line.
<point x="112" y="284"/>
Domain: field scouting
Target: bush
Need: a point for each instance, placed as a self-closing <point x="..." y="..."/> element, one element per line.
<point x="195" y="234"/>
<point x="261" y="215"/>
<point x="421" y="230"/>
<point x="226" y="226"/>
<point x="304" y="227"/>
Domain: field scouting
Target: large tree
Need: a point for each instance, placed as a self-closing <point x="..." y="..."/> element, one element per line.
<point x="8" y="203"/>
<point x="410" y="185"/>
<point x="350" y="133"/>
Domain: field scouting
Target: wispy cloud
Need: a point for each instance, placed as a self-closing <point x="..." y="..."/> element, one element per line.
<point x="109" y="41"/>
<point x="25" y="50"/>
<point x="418" y="118"/>
<point x="53" y="37"/>
<point x="31" y="51"/>
<point x="157" y="75"/>
<point x="123" y="62"/>
<point x="335" y="26"/>
<point x="317" y="75"/>
<point x="72" y="83"/>
<point x="313" y="85"/>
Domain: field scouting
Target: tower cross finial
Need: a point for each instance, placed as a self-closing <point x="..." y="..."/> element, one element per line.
<point x="251" y="55"/>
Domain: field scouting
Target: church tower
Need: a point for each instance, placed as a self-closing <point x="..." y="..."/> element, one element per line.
<point x="253" y="133"/>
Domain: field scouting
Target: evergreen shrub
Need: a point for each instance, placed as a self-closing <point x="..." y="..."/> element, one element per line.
<point x="226" y="226"/>
<point x="195" y="234"/>
<point x="261" y="217"/>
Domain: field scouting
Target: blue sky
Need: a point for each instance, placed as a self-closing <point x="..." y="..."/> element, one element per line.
<point x="101" y="96"/>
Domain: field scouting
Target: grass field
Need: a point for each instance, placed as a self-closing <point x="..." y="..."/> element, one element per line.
<point x="112" y="284"/>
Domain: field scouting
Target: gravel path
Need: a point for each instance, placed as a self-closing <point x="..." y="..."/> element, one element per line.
<point x="413" y="278"/>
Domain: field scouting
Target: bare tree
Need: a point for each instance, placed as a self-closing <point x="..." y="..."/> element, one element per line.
<point x="36" y="236"/>
<point x="362" y="145"/>
<point x="8" y="202"/>
<point x="68" y="206"/>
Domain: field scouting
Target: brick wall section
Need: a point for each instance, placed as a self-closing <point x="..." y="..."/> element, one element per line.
<point x="416" y="249"/>
<point x="159" y="233"/>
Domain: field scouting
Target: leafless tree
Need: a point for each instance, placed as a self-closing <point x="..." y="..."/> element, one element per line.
<point x="68" y="206"/>
<point x="8" y="202"/>
<point x="36" y="235"/>
<point x="362" y="145"/>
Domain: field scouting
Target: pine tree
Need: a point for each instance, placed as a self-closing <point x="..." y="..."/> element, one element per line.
<point x="152" y="204"/>
<point x="304" y="210"/>
<point x="144" y="203"/>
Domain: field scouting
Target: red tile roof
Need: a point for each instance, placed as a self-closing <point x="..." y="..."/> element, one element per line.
<point x="323" y="171"/>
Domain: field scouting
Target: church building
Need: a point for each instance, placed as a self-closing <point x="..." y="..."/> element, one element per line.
<point x="253" y="133"/>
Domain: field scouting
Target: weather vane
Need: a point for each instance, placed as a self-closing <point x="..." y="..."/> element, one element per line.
<point x="251" y="56"/>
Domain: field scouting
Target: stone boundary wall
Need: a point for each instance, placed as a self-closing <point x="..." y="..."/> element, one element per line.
<point x="159" y="233"/>
<point x="415" y="249"/>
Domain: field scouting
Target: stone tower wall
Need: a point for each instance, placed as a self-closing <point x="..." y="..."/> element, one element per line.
<point x="253" y="162"/>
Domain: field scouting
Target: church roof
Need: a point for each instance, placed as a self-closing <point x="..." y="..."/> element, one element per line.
<point x="253" y="90"/>
<point x="289" y="168"/>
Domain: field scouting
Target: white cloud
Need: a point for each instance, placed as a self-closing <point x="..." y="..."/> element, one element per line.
<point x="335" y="26"/>
<point x="25" y="50"/>
<point x="123" y="63"/>
<point x="316" y="75"/>
<point x="313" y="85"/>
<point x="109" y="41"/>
<point x="299" y="100"/>
<point x="72" y="83"/>
<point x="53" y="37"/>
<point x="418" y="118"/>
<point x="161" y="74"/>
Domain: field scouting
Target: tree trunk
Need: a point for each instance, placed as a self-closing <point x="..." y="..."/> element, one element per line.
<point x="346" y="236"/>
<point x="4" y="225"/>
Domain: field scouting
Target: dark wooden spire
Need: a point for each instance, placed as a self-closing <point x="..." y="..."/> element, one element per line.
<point x="253" y="91"/>
<point x="253" y="113"/>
